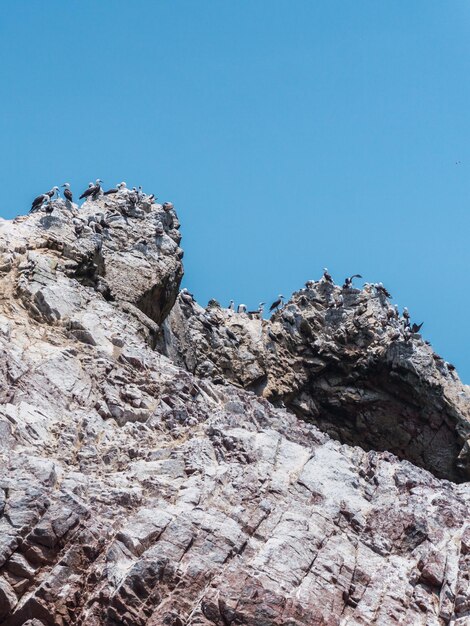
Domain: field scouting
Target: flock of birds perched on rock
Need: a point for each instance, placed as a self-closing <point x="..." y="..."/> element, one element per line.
<point x="130" y="203"/>
<point x="379" y="289"/>
<point x="135" y="195"/>
<point x="45" y="200"/>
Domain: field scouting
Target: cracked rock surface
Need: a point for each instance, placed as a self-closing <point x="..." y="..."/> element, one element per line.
<point x="341" y="359"/>
<point x="150" y="476"/>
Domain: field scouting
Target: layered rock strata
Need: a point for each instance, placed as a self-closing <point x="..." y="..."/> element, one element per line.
<point x="140" y="488"/>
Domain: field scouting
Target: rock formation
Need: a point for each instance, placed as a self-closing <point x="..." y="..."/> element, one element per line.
<point x="165" y="464"/>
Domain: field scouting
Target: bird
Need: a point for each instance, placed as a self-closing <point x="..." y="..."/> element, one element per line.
<point x="241" y="308"/>
<point x="96" y="189"/>
<point x="381" y="290"/>
<point x="48" y="206"/>
<point x="93" y="190"/>
<point x="88" y="191"/>
<point x="415" y="328"/>
<point x="277" y="302"/>
<point x="259" y="310"/>
<point x="67" y="193"/>
<point x="186" y="296"/>
<point x="406" y="317"/>
<point x="348" y="281"/>
<point x="52" y="192"/>
<point x="38" y="201"/>
<point x="326" y="275"/>
<point x="115" y="189"/>
<point x="231" y="306"/>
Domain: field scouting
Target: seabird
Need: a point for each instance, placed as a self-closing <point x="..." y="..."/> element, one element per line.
<point x="241" y="308"/>
<point x="381" y="289"/>
<point x="48" y="206"/>
<point x="259" y="310"/>
<point x="52" y="192"/>
<point x="67" y="193"/>
<point x="277" y="302"/>
<point x="114" y="189"/>
<point x="167" y="206"/>
<point x="231" y="306"/>
<point x="159" y="230"/>
<point x="186" y="296"/>
<point x="348" y="281"/>
<point x="326" y="275"/>
<point x="37" y="202"/>
<point x="406" y="314"/>
<point x="96" y="189"/>
<point x="93" y="190"/>
<point x="415" y="328"/>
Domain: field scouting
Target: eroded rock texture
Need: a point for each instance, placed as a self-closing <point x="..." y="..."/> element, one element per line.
<point x="140" y="488"/>
<point x="341" y="359"/>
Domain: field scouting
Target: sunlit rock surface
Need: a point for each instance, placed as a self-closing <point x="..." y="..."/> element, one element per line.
<point x="150" y="474"/>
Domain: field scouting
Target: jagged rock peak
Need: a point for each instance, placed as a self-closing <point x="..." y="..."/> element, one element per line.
<point x="147" y="489"/>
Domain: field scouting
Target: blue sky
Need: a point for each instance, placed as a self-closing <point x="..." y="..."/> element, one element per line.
<point x="290" y="134"/>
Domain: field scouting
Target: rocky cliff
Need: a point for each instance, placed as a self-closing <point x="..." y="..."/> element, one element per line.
<point x="165" y="464"/>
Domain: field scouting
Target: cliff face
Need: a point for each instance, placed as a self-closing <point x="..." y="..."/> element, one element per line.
<point x="150" y="474"/>
<point x="339" y="358"/>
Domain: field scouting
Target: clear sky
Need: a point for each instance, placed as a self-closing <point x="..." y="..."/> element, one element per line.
<point x="290" y="134"/>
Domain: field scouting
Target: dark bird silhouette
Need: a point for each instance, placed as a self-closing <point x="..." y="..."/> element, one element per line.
<point x="114" y="189"/>
<point x="381" y="289"/>
<point x="37" y="202"/>
<point x="93" y="190"/>
<point x="327" y="275"/>
<point x="348" y="281"/>
<point x="415" y="328"/>
<point x="277" y="302"/>
<point x="67" y="193"/>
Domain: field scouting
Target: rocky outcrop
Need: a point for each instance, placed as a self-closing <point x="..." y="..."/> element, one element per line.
<point x="342" y="359"/>
<point x="140" y="488"/>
